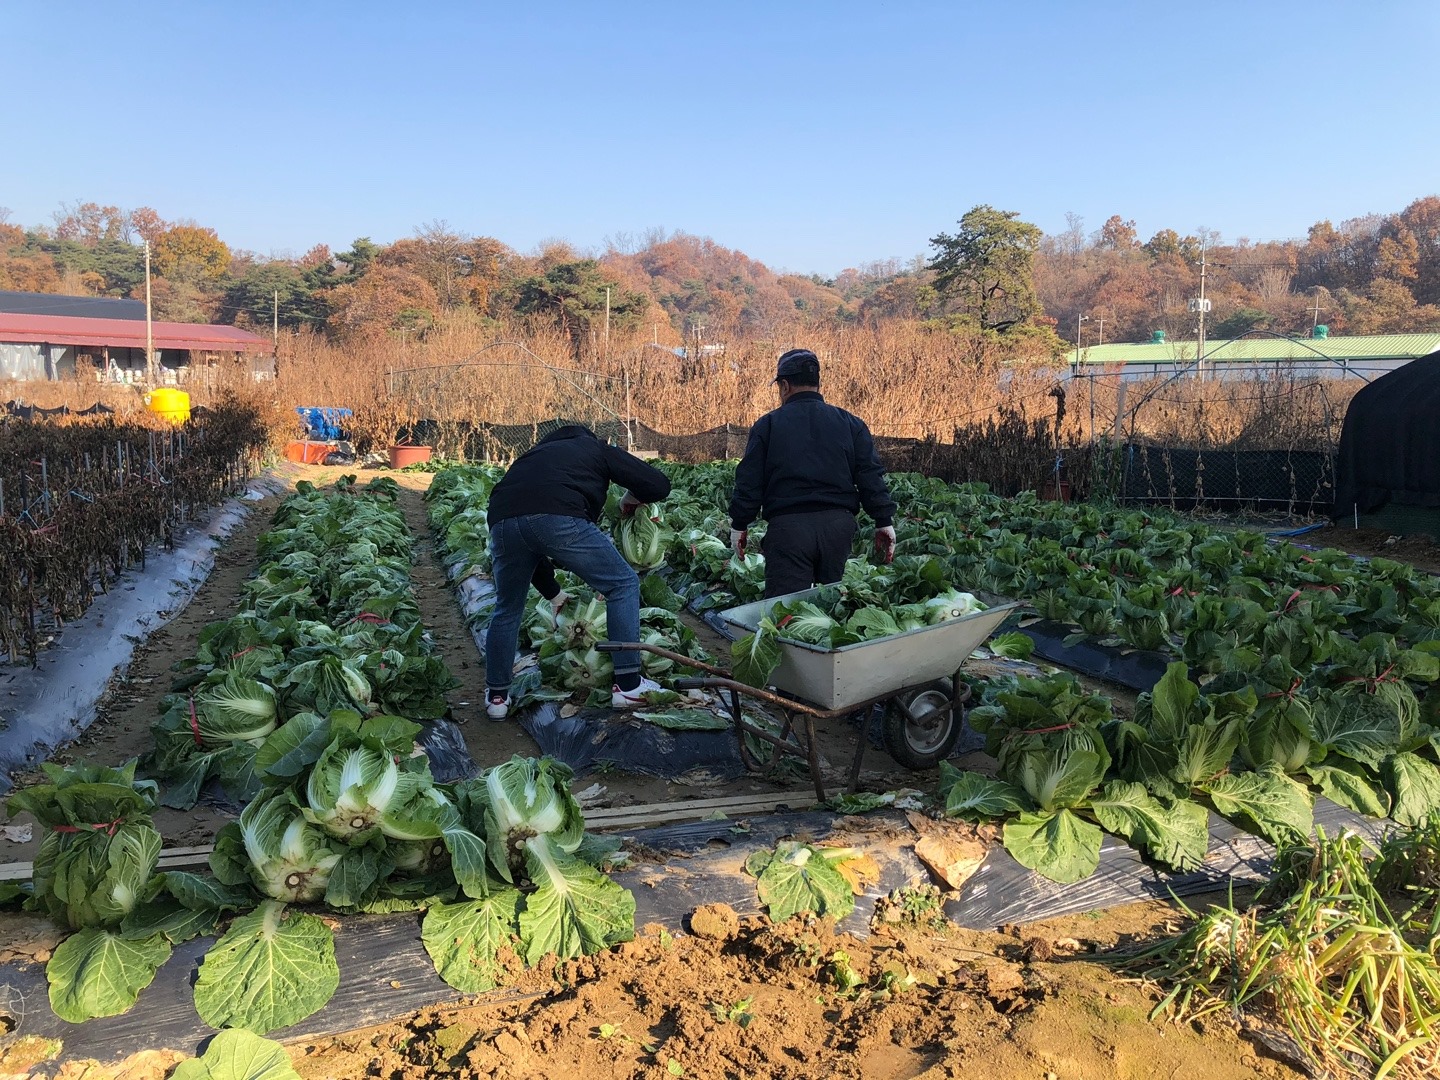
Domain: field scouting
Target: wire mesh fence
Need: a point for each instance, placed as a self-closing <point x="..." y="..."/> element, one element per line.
<point x="1266" y="443"/>
<point x="495" y="405"/>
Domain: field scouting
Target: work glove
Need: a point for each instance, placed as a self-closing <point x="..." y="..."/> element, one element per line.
<point x="629" y="505"/>
<point x="885" y="542"/>
<point x="558" y="601"/>
<point x="738" y="537"/>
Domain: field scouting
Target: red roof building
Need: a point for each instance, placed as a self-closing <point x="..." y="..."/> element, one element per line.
<point x="47" y="346"/>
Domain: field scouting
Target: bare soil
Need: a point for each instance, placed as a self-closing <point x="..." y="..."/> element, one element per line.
<point x="742" y="999"/>
<point x="760" y="1002"/>
<point x="1421" y="551"/>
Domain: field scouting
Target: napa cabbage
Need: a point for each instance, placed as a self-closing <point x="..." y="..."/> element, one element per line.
<point x="286" y="856"/>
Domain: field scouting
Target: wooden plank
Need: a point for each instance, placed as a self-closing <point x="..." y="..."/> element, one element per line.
<point x="617" y="817"/>
<point x="645" y="821"/>
<point x="798" y="797"/>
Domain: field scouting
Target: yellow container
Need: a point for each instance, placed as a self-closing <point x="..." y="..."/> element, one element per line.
<point x="172" y="405"/>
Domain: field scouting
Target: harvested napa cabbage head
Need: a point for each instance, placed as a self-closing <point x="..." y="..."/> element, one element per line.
<point x="234" y="710"/>
<point x="289" y="858"/>
<point x="951" y="604"/>
<point x="641" y="540"/>
<point x="98" y="857"/>
<point x="522" y="805"/>
<point x="356" y="782"/>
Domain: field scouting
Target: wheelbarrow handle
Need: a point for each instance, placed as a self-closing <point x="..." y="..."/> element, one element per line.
<point x="655" y="650"/>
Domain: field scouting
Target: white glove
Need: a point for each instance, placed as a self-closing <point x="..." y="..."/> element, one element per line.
<point x="558" y="601"/>
<point x="738" y="537"/>
<point x="885" y="542"/>
<point x="629" y="505"/>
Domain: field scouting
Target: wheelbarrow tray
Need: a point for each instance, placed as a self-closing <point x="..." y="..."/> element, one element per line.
<point x="854" y="674"/>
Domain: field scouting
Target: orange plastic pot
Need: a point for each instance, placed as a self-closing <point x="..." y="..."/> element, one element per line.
<point x="401" y="456"/>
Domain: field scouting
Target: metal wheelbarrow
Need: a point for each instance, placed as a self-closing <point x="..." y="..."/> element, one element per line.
<point x="915" y="675"/>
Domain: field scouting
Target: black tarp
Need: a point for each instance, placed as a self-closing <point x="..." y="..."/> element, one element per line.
<point x="1390" y="442"/>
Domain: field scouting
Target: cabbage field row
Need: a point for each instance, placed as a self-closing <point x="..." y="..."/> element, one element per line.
<point x="329" y="622"/>
<point x="303" y="706"/>
<point x="1295" y="671"/>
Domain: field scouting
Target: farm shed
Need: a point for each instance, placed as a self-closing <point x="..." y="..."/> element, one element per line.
<point x="1388" y="468"/>
<point x="1321" y="356"/>
<point x="39" y="347"/>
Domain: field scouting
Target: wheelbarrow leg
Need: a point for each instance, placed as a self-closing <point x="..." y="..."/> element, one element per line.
<point x="859" y="758"/>
<point x="812" y="751"/>
<point x="780" y="751"/>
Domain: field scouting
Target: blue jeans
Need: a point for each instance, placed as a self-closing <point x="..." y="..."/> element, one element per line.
<point x="571" y="543"/>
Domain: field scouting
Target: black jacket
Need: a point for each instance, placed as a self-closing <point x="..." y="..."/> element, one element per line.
<point x="806" y="456"/>
<point x="569" y="472"/>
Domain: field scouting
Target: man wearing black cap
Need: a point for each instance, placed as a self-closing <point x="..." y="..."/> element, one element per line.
<point x="808" y="469"/>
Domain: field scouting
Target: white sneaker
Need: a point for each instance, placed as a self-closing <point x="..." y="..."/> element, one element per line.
<point x="633" y="699"/>
<point x="497" y="706"/>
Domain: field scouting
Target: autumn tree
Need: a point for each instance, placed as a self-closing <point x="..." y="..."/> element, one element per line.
<point x="89" y="223"/>
<point x="191" y="254"/>
<point x="1422" y="219"/>
<point x="146" y="224"/>
<point x="28" y="272"/>
<point x="904" y="296"/>
<point x="491" y="263"/>
<point x="986" y="270"/>
<point x="384" y="299"/>
<point x="572" y="296"/>
<point x="1117" y="234"/>
<point x="178" y="301"/>
<point x="1397" y="257"/>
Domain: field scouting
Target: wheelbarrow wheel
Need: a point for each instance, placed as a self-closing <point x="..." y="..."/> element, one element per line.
<point x="922" y="725"/>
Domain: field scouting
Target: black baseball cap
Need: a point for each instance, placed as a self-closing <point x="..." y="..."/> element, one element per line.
<point x="796" y="363"/>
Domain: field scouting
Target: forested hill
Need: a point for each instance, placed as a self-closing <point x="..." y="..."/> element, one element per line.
<point x="995" y="273"/>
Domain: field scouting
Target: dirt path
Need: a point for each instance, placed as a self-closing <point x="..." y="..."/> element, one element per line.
<point x="1421" y="552"/>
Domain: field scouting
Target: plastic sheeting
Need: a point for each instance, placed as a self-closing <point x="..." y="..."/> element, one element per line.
<point x="23" y="362"/>
<point x="50" y="704"/>
<point x="1003" y="892"/>
<point x="1135" y="668"/>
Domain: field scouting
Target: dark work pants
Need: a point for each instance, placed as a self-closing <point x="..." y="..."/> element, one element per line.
<point x="802" y="550"/>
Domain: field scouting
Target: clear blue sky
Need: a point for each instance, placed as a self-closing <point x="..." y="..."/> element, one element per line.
<point x="812" y="136"/>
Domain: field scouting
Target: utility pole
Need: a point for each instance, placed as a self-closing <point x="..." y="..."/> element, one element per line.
<point x="149" y="331"/>
<point x="1102" y="330"/>
<point x="1316" y="321"/>
<point x="1202" y="306"/>
<point x="1078" y="320"/>
<point x="275" y="325"/>
<point x="607" y="322"/>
